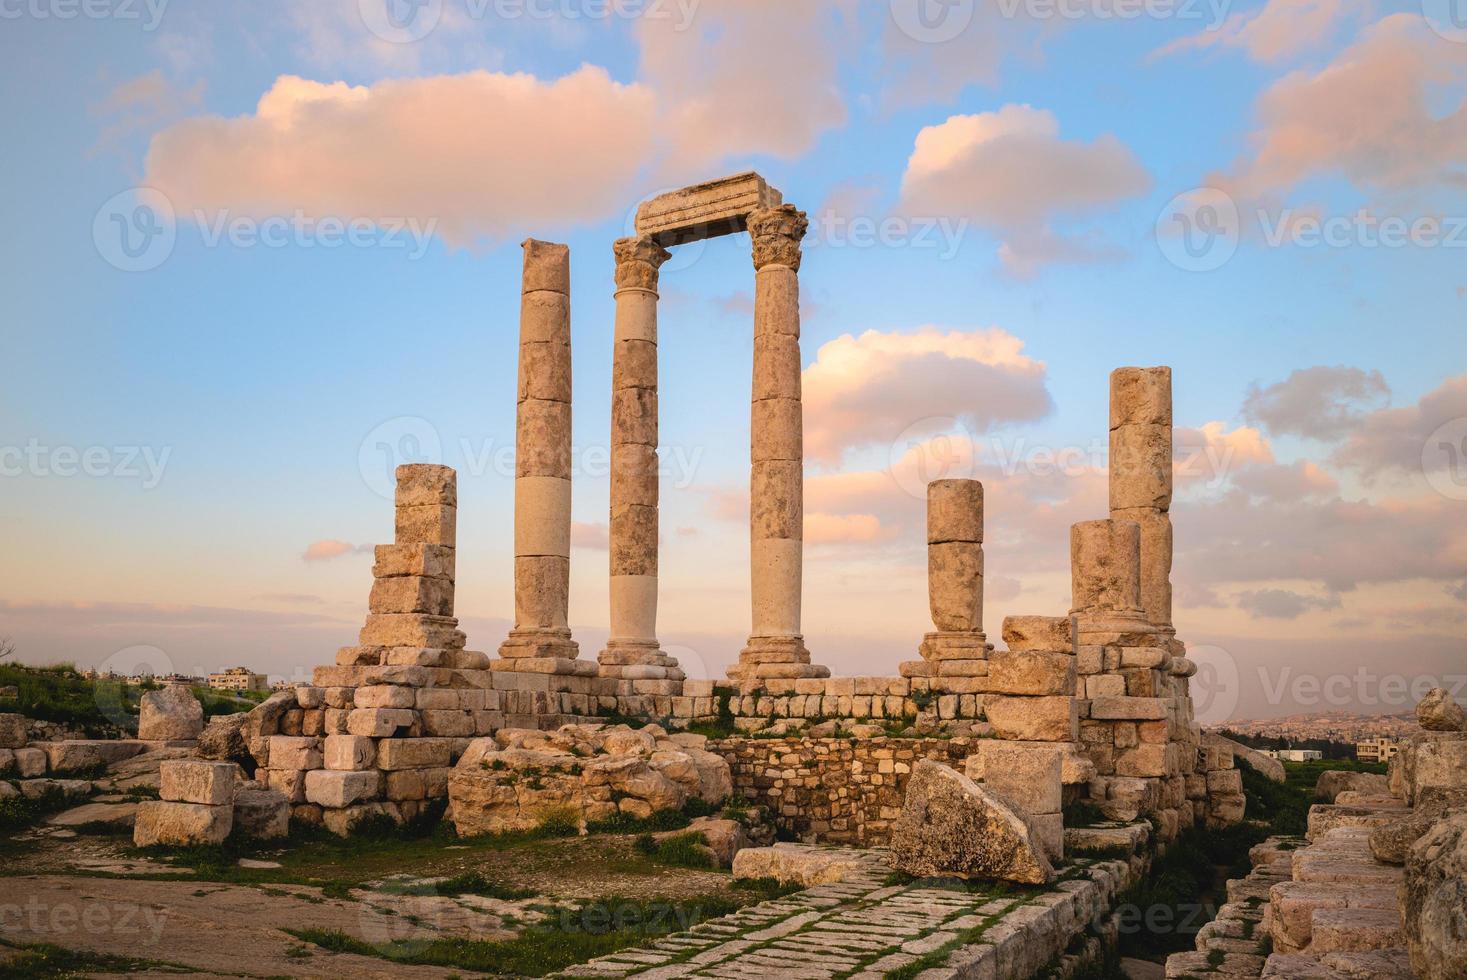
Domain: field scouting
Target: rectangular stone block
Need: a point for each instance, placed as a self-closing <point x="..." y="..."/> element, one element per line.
<point x="1144" y="657"/>
<point x="1105" y="686"/>
<point x="1140" y="396"/>
<point x="181" y="824"/>
<point x="412" y="594"/>
<point x="294" y="752"/>
<point x="1047" y="719"/>
<point x="425" y="484"/>
<point x="210" y="783"/>
<point x="427" y="524"/>
<point x="414" y="753"/>
<point x="290" y="783"/>
<point x="427" y="560"/>
<point x="406" y="630"/>
<point x="386" y="696"/>
<point x="337" y="789"/>
<point x="543" y="439"/>
<point x="707" y="210"/>
<point x="1132" y="709"/>
<point x="415" y="656"/>
<point x="954" y="511"/>
<point x="451" y="723"/>
<point x="13" y="731"/>
<point x="349" y="753"/>
<point x="378" y="722"/>
<point x="1054" y="633"/>
<point x="1033" y="672"/>
<point x="1143" y="760"/>
<point x="1029" y="776"/>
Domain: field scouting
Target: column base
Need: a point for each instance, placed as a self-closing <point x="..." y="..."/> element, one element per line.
<point x="775" y="658"/>
<point x="547" y="643"/>
<point x="1122" y="628"/>
<point x="639" y="660"/>
<point x="955" y="646"/>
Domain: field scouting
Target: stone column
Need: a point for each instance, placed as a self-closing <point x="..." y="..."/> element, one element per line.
<point x="776" y="648"/>
<point x="1105" y="569"/>
<point x="1141" y="477"/>
<point x="955" y="571"/>
<point x="633" y="651"/>
<point x="542" y="488"/>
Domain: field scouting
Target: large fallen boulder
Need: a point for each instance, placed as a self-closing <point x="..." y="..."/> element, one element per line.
<point x="1333" y="782"/>
<point x="1433" y="899"/>
<point x="1438" y="712"/>
<point x="951" y="827"/>
<point x="516" y="778"/>
<point x="170" y="715"/>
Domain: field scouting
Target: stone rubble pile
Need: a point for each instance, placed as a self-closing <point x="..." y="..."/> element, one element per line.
<point x="590" y="772"/>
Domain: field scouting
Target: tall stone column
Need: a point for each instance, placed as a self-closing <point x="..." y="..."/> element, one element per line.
<point x="955" y="571"/>
<point x="1141" y="477"/>
<point x="542" y="488"/>
<point x="776" y="648"/>
<point x="633" y="651"/>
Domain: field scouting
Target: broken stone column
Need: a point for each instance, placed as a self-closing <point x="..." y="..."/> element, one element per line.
<point x="542" y="488"/>
<point x="1141" y="477"/>
<point x="633" y="652"/>
<point x="955" y="571"/>
<point x="776" y="648"/>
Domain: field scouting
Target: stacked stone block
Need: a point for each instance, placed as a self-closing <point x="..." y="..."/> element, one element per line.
<point x="958" y="647"/>
<point x="196" y="805"/>
<point x="1029" y="777"/>
<point x="541" y="638"/>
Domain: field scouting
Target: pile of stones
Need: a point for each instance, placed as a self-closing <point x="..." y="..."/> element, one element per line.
<point x="203" y="802"/>
<point x="590" y="772"/>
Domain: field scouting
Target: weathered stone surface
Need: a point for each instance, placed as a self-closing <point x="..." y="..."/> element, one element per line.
<point x="1264" y="765"/>
<point x="954" y="511"/>
<point x="793" y="865"/>
<point x="1048" y="719"/>
<point x="426" y="485"/>
<point x="1039" y="633"/>
<point x="261" y="813"/>
<point x="162" y="822"/>
<point x="1031" y="672"/>
<point x="1105" y="567"/>
<point x="1391" y="843"/>
<point x="349" y="753"/>
<point x="1026" y="776"/>
<point x="1335" y="781"/>
<point x="223" y="739"/>
<point x="725" y="838"/>
<point x="1433" y="898"/>
<point x="210" y="783"/>
<point x="951" y="826"/>
<point x="1438" y="712"/>
<point x="337" y="789"/>
<point x="717" y="207"/>
<point x="295" y="752"/>
<point x="955" y="585"/>
<point x="12" y="731"/>
<point x="172" y="714"/>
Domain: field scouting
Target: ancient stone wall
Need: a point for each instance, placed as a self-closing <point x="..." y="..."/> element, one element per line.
<point x="841" y="790"/>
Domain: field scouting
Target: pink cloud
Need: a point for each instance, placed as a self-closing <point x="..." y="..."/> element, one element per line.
<point x="844" y="529"/>
<point x="1011" y="172"/>
<point x="330" y="548"/>
<point x="859" y="390"/>
<point x="1401" y="439"/>
<point x="1279" y="30"/>
<point x="483" y="155"/>
<point x="1317" y="402"/>
<point x="593" y="536"/>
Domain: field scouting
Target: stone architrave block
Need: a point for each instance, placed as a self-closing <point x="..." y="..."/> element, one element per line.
<point x="1031" y="672"/>
<point x="707" y="210"/>
<point x="210" y="783"/>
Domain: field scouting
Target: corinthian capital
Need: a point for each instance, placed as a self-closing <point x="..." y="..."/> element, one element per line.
<point x="777" y="233"/>
<point x="637" y="262"/>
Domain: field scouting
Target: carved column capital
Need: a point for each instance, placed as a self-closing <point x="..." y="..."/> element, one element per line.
<point x="638" y="260"/>
<point x="777" y="233"/>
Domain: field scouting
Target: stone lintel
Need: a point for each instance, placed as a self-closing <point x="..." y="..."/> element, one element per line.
<point x="707" y="210"/>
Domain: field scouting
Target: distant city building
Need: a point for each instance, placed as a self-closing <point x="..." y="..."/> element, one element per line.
<point x="239" y="679"/>
<point x="1294" y="755"/>
<point x="1377" y="749"/>
<point x="283" y="685"/>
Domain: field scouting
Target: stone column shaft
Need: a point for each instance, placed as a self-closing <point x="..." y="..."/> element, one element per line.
<point x="955" y="571"/>
<point x="1141" y="477"/>
<point x="633" y="651"/>
<point x="776" y="648"/>
<point x="542" y="490"/>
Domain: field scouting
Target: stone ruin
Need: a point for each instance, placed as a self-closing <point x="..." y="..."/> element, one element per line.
<point x="1102" y="690"/>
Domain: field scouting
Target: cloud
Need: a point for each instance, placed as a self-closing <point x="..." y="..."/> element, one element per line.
<point x="1009" y="171"/>
<point x="594" y="536"/>
<point x="747" y="77"/>
<point x="844" y="529"/>
<point x="484" y="155"/>
<point x="1401" y="439"/>
<point x="860" y="392"/>
<point x="1209" y="455"/>
<point x="1294" y="481"/>
<point x="1283" y="604"/>
<point x="1281" y="29"/>
<point x="1318" y="402"/>
<point x="1386" y="114"/>
<point x="142" y="104"/>
<point x="330" y="548"/>
<point x="1458" y="591"/>
<point x="290" y="598"/>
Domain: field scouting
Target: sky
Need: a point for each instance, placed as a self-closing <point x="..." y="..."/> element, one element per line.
<point x="261" y="252"/>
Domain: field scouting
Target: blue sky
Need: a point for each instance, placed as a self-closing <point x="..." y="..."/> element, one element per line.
<point x="254" y="374"/>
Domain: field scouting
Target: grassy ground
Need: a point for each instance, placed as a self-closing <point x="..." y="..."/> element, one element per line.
<point x="59" y="694"/>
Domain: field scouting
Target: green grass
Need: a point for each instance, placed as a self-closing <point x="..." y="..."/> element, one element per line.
<point x="43" y="960"/>
<point x="20" y="812"/>
<point x="59" y="694"/>
<point x="468" y="883"/>
<point x="683" y="850"/>
<point x="567" y="936"/>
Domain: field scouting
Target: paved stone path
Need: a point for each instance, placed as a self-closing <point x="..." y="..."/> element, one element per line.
<point x="860" y="928"/>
